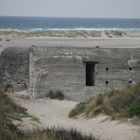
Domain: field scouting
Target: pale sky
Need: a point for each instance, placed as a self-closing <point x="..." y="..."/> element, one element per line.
<point x="71" y="8"/>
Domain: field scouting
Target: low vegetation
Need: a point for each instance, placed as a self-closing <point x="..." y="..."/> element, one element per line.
<point x="7" y="86"/>
<point x="56" y="95"/>
<point x="54" y="134"/>
<point x="9" y="111"/>
<point x="123" y="103"/>
<point x="61" y="33"/>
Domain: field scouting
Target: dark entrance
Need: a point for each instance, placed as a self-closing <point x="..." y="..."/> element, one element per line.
<point x="90" y="73"/>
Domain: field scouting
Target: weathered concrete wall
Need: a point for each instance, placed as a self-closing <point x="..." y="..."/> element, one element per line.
<point x="41" y="69"/>
<point x="14" y="67"/>
<point x="63" y="69"/>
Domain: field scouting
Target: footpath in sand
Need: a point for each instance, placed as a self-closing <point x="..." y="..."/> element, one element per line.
<point x="54" y="113"/>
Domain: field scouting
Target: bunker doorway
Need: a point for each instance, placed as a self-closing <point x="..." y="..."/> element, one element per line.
<point x="90" y="73"/>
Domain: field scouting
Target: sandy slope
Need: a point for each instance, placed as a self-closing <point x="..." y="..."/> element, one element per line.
<point x="55" y="113"/>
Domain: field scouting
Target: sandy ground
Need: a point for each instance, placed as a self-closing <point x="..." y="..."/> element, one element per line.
<point x="124" y="42"/>
<point x="54" y="113"/>
<point x="128" y="42"/>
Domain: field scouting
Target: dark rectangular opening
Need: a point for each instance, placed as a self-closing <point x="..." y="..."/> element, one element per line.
<point x="90" y="74"/>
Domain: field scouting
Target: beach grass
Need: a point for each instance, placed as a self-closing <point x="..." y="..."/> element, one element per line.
<point x="61" y="33"/>
<point x="55" y="134"/>
<point x="55" y="95"/>
<point x="118" y="104"/>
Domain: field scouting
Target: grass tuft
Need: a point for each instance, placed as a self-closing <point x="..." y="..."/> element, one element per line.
<point x="56" y="94"/>
<point x="80" y="108"/>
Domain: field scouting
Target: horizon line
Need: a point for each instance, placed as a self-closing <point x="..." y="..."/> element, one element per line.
<point x="70" y="17"/>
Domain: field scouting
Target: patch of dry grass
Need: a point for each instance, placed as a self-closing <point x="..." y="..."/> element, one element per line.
<point x="9" y="111"/>
<point x="56" y="134"/>
<point x="123" y="103"/>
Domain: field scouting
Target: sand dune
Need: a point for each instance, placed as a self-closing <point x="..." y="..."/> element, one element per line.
<point x="54" y="113"/>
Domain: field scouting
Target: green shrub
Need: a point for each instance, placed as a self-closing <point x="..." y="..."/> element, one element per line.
<point x="59" y="95"/>
<point x="8" y="85"/>
<point x="134" y="111"/>
<point x="55" y="94"/>
<point x="51" y="94"/>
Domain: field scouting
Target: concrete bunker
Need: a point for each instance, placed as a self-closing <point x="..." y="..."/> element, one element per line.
<point x="78" y="72"/>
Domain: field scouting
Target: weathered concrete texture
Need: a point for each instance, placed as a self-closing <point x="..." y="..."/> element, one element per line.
<point x="63" y="69"/>
<point x="14" y="67"/>
<point x="41" y="69"/>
